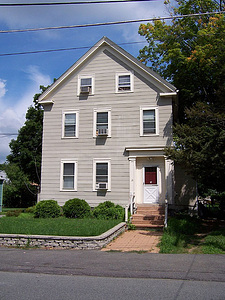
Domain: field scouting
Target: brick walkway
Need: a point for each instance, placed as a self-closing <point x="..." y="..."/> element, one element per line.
<point x="136" y="240"/>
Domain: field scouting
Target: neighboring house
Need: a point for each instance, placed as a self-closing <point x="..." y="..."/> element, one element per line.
<point x="107" y="120"/>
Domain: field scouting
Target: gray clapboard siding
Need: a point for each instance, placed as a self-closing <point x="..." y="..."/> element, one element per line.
<point x="125" y="128"/>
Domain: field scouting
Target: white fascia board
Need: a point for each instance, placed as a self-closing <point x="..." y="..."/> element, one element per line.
<point x="119" y="50"/>
<point x="130" y="149"/>
<point x="168" y="94"/>
<point x="71" y="69"/>
<point x="140" y="65"/>
<point x="43" y="102"/>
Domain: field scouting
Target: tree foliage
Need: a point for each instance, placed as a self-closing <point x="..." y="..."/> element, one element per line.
<point x="18" y="192"/>
<point x="23" y="166"/>
<point x="189" y="52"/>
<point x="26" y="150"/>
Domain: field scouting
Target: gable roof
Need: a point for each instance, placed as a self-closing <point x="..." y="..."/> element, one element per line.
<point x="166" y="87"/>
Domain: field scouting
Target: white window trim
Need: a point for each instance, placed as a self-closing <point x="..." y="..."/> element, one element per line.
<point x="92" y="81"/>
<point x="156" y="120"/>
<point x="77" y="124"/>
<point x="108" y="110"/>
<point x="75" y="175"/>
<point x="131" y="82"/>
<point x="102" y="160"/>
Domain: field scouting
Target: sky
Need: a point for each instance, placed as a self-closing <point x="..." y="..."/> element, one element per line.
<point x="21" y="75"/>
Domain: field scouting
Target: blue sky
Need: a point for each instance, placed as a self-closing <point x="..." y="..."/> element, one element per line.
<point x="21" y="75"/>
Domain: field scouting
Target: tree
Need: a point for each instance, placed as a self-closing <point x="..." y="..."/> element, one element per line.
<point x="26" y="150"/>
<point x="23" y="166"/>
<point x="199" y="147"/>
<point x="18" y="192"/>
<point x="189" y="52"/>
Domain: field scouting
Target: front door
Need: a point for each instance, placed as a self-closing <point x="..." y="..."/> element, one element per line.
<point x="151" y="187"/>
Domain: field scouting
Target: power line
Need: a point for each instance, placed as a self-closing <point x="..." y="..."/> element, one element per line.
<point x="7" y="134"/>
<point x="109" y="23"/>
<point x="71" y="2"/>
<point x="62" y="49"/>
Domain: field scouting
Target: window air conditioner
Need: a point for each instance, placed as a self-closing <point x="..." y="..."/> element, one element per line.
<point x="102" y="186"/>
<point x="85" y="89"/>
<point x="102" y="131"/>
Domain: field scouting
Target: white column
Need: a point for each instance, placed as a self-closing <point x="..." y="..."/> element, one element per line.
<point x="132" y="161"/>
<point x="169" y="177"/>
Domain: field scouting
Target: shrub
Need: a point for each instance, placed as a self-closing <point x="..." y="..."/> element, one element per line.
<point x="14" y="212"/>
<point x="30" y="210"/>
<point x="47" y="209"/>
<point x="76" y="208"/>
<point x="108" y="210"/>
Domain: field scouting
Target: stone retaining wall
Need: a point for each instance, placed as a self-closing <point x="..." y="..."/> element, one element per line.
<point x="61" y="242"/>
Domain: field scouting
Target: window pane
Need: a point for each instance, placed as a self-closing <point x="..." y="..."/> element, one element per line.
<point x="124" y="80"/>
<point x="68" y="175"/>
<point x="150" y="175"/>
<point x="149" y="121"/>
<point x="68" y="169"/>
<point x="85" y="82"/>
<point x="68" y="182"/>
<point x="70" y="124"/>
<point x="102" y="120"/>
<point x="102" y="117"/>
<point x="101" y="172"/>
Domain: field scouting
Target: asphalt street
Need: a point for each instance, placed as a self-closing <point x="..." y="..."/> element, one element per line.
<point x="74" y="274"/>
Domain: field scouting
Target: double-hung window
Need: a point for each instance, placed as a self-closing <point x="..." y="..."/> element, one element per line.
<point x="85" y="85"/>
<point x="102" y="174"/>
<point x="70" y="124"/>
<point x="102" y="123"/>
<point x="149" y="121"/>
<point x="124" y="82"/>
<point x="68" y="181"/>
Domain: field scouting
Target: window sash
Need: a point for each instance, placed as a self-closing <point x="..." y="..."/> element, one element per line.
<point x="102" y="120"/>
<point x="149" y="121"/>
<point x="101" y="172"/>
<point x="124" y="82"/>
<point x="86" y="82"/>
<point x="68" y="176"/>
<point x="70" y="125"/>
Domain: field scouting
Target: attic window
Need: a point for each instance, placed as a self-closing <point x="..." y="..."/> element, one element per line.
<point x="124" y="82"/>
<point x="86" y="85"/>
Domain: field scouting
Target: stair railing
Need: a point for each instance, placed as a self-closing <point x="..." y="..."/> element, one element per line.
<point x="130" y="205"/>
<point x="166" y="213"/>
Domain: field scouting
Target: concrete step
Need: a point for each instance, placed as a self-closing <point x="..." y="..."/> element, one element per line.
<point x="149" y="216"/>
<point x="138" y="225"/>
<point x="137" y="217"/>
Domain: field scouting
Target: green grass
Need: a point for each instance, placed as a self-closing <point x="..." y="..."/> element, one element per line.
<point x="187" y="234"/>
<point x="26" y="224"/>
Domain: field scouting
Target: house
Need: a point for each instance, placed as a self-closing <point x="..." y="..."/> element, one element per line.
<point x="107" y="120"/>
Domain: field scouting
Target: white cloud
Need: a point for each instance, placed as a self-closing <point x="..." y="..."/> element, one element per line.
<point x="12" y="118"/>
<point x="3" y="89"/>
<point x="45" y="16"/>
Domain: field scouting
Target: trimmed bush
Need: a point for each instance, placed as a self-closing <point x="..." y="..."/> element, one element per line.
<point x="47" y="209"/>
<point x="30" y="210"/>
<point x="108" y="210"/>
<point x="14" y="212"/>
<point x="76" y="208"/>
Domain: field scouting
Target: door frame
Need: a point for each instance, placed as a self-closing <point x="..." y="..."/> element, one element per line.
<point x="157" y="185"/>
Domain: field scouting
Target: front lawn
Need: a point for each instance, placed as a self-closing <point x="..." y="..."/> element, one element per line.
<point x="187" y="234"/>
<point x="26" y="224"/>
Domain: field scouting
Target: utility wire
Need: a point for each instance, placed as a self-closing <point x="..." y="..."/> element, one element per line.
<point x="62" y="49"/>
<point x="8" y="134"/>
<point x="71" y="2"/>
<point x="110" y="23"/>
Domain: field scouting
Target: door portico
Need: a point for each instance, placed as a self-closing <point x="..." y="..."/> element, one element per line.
<point x="151" y="179"/>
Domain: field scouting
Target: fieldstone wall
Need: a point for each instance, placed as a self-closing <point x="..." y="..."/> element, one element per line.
<point x="62" y="242"/>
